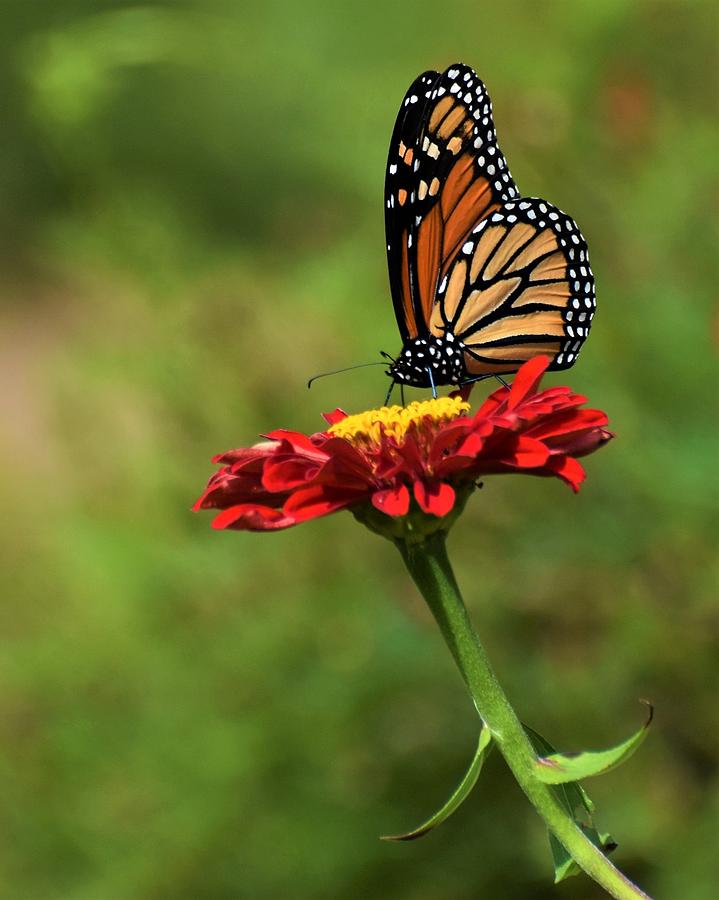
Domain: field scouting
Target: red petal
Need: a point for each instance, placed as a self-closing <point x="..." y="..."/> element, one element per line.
<point x="412" y="455"/>
<point x="526" y="381"/>
<point x="247" y="454"/>
<point x="320" y="500"/>
<point x="252" y="517"/>
<point x="474" y="443"/>
<point x="286" y="474"/>
<point x="436" y="499"/>
<point x="467" y="451"/>
<point x="345" y="463"/>
<point x="568" y="469"/>
<point x="523" y="452"/>
<point x="226" y="489"/>
<point x="451" y="434"/>
<point x="298" y="442"/>
<point x="566" y="422"/>
<point x="335" y="416"/>
<point x="393" y="501"/>
<point x="495" y="400"/>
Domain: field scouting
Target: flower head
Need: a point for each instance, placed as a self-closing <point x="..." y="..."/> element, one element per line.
<point x="410" y="468"/>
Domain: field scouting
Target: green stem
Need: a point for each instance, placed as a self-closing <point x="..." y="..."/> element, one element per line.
<point x="431" y="570"/>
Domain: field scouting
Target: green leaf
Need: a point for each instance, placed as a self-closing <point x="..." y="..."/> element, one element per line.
<point x="564" y="865"/>
<point x="577" y="803"/>
<point x="560" y="768"/>
<point x="572" y="794"/>
<point x="459" y="795"/>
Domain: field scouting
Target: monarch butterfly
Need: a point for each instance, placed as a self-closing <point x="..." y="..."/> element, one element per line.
<point x="482" y="279"/>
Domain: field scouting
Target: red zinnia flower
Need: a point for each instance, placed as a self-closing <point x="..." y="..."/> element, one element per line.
<point x="430" y="452"/>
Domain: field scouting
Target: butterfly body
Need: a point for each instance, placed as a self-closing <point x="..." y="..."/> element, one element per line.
<point x="482" y="278"/>
<point x="430" y="360"/>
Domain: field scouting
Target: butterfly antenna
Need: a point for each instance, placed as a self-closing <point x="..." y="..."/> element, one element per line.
<point x="346" y="369"/>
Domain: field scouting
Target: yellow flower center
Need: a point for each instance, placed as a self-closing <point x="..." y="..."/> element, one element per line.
<point x="369" y="429"/>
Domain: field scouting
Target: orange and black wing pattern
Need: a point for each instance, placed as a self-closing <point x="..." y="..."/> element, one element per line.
<point x="445" y="173"/>
<point x="521" y="285"/>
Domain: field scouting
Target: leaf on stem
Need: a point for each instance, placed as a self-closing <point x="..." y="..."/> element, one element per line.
<point x="560" y="768"/>
<point x="564" y="865"/>
<point x="458" y="797"/>
<point x="577" y="803"/>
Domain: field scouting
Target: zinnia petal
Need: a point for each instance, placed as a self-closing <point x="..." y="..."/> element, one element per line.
<point x="319" y="500"/>
<point x="226" y="489"/>
<point x="288" y="474"/>
<point x="436" y="498"/>
<point x="526" y="381"/>
<point x="392" y="501"/>
<point x="568" y="469"/>
<point x="332" y="418"/>
<point x="523" y="452"/>
<point x="567" y="422"/>
<point x="252" y="517"/>
<point x="297" y="443"/>
<point x="258" y="452"/>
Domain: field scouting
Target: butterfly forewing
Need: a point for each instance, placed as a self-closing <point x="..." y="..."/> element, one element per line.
<point x="400" y="186"/>
<point x="445" y="173"/>
<point x="521" y="285"/>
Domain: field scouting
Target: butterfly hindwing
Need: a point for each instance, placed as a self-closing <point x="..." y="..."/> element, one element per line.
<point x="445" y="172"/>
<point x="521" y="285"/>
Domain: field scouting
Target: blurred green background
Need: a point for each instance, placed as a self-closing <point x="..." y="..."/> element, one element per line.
<point x="191" y="224"/>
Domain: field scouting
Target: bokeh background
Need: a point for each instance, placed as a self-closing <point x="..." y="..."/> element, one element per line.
<point x="191" y="223"/>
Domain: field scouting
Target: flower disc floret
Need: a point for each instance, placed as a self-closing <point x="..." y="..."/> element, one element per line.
<point x="368" y="430"/>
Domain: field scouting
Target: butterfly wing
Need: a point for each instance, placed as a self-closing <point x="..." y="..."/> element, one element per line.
<point x="521" y="285"/>
<point x="445" y="173"/>
<point x="400" y="185"/>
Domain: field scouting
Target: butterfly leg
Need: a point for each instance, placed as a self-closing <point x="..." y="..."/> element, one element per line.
<point x="431" y="381"/>
<point x="389" y="392"/>
<point x="473" y="380"/>
<point x="483" y="377"/>
<point x="401" y="394"/>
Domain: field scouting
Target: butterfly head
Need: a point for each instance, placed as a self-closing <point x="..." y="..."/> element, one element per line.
<point x="428" y="360"/>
